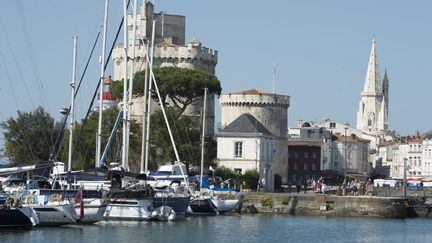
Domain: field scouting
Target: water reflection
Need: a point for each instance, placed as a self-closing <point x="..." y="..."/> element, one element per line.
<point x="235" y="228"/>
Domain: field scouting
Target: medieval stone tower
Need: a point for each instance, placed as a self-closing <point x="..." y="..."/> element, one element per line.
<point x="170" y="50"/>
<point x="372" y="115"/>
<point x="268" y="108"/>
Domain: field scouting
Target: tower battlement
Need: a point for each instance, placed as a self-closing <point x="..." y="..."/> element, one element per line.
<point x="255" y="100"/>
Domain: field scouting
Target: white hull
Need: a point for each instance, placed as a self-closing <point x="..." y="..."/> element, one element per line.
<point x="129" y="209"/>
<point x="55" y="214"/>
<point x="94" y="211"/>
<point x="226" y="205"/>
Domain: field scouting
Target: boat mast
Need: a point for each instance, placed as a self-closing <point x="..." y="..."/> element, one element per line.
<point x="203" y="137"/>
<point x="102" y="77"/>
<point x="72" y="111"/>
<point x="125" y="104"/>
<point x="144" y="131"/>
<point x="149" y="96"/>
<point x="131" y="76"/>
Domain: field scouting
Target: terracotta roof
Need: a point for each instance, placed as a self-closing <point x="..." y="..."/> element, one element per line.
<point x="254" y="92"/>
<point x="351" y="138"/>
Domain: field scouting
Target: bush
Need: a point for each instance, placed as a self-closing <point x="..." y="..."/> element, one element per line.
<point x="251" y="178"/>
<point x="228" y="174"/>
<point x="225" y="173"/>
<point x="267" y="202"/>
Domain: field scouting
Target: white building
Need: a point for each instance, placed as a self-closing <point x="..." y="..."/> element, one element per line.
<point x="246" y="144"/>
<point x="268" y="108"/>
<point x="350" y="154"/>
<point x="340" y="145"/>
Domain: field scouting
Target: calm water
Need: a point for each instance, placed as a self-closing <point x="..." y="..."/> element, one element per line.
<point x="245" y="228"/>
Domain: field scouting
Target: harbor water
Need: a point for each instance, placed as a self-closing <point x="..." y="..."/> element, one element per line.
<point x="235" y="228"/>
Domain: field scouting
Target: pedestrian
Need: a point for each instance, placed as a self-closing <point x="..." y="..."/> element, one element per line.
<point x="263" y="183"/>
<point x="343" y="187"/>
<point x="323" y="185"/>
<point x="305" y="186"/>
<point x="313" y="184"/>
<point x="298" y="185"/>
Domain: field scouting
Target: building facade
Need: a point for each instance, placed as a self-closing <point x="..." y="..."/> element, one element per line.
<point x="271" y="110"/>
<point x="304" y="161"/>
<point x="246" y="144"/>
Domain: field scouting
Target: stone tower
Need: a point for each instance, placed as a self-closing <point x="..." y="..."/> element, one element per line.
<point x="268" y="108"/>
<point x="170" y="50"/>
<point x="372" y="116"/>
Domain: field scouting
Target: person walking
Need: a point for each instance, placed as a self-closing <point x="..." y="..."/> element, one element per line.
<point x="343" y="187"/>
<point x="305" y="186"/>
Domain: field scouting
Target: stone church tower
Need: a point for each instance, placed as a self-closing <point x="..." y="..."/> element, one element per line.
<point x="372" y="115"/>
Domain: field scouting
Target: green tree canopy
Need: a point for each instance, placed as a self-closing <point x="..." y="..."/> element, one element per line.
<point x="84" y="155"/>
<point x="187" y="139"/>
<point x="181" y="85"/>
<point x="29" y="136"/>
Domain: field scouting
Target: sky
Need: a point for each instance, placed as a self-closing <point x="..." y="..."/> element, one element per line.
<point x="320" y="50"/>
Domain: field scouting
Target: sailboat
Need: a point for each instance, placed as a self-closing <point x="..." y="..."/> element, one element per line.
<point x="210" y="200"/>
<point x="57" y="203"/>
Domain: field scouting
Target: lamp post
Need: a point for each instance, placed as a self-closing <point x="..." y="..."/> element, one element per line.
<point x="345" y="167"/>
<point x="404" y="184"/>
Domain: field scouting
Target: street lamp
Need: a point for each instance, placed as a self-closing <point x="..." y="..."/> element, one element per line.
<point x="345" y="167"/>
<point x="404" y="183"/>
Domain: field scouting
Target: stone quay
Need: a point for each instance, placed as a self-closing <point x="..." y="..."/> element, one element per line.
<point x="324" y="205"/>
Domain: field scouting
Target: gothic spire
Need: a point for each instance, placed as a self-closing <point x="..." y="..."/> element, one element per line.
<point x="372" y="85"/>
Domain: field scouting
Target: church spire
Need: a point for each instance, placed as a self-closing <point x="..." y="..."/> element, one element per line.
<point x="385" y="86"/>
<point x="372" y="85"/>
<point x="372" y="116"/>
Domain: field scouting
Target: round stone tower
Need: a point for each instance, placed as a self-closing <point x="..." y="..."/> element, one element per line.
<point x="268" y="108"/>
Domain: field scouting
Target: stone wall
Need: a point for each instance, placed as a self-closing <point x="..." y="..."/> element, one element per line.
<point x="324" y="205"/>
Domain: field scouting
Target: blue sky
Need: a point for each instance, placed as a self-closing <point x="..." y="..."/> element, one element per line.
<point x="320" y="48"/>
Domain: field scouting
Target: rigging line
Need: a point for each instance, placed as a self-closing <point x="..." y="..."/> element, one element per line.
<point x="56" y="148"/>
<point x="17" y="65"/>
<point x="98" y="83"/>
<point x="9" y="80"/>
<point x="26" y="138"/>
<point x="34" y="63"/>
<point x="32" y="55"/>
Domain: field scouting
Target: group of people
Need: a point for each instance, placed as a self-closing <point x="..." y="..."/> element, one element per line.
<point x="356" y="187"/>
<point x="318" y="185"/>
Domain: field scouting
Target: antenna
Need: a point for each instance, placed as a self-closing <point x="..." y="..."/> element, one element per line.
<point x="274" y="73"/>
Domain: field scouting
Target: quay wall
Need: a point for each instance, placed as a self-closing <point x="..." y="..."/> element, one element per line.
<point x="324" y="205"/>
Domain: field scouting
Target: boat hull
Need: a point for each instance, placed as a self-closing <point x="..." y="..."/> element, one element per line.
<point x="226" y="205"/>
<point x="135" y="205"/>
<point x="179" y="204"/>
<point x="15" y="218"/>
<point x="203" y="206"/>
<point x="55" y="215"/>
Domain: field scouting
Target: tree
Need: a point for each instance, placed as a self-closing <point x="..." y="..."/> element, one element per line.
<point x="183" y="85"/>
<point x="29" y="136"/>
<point x="187" y="139"/>
<point x="179" y="85"/>
<point x="84" y="154"/>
